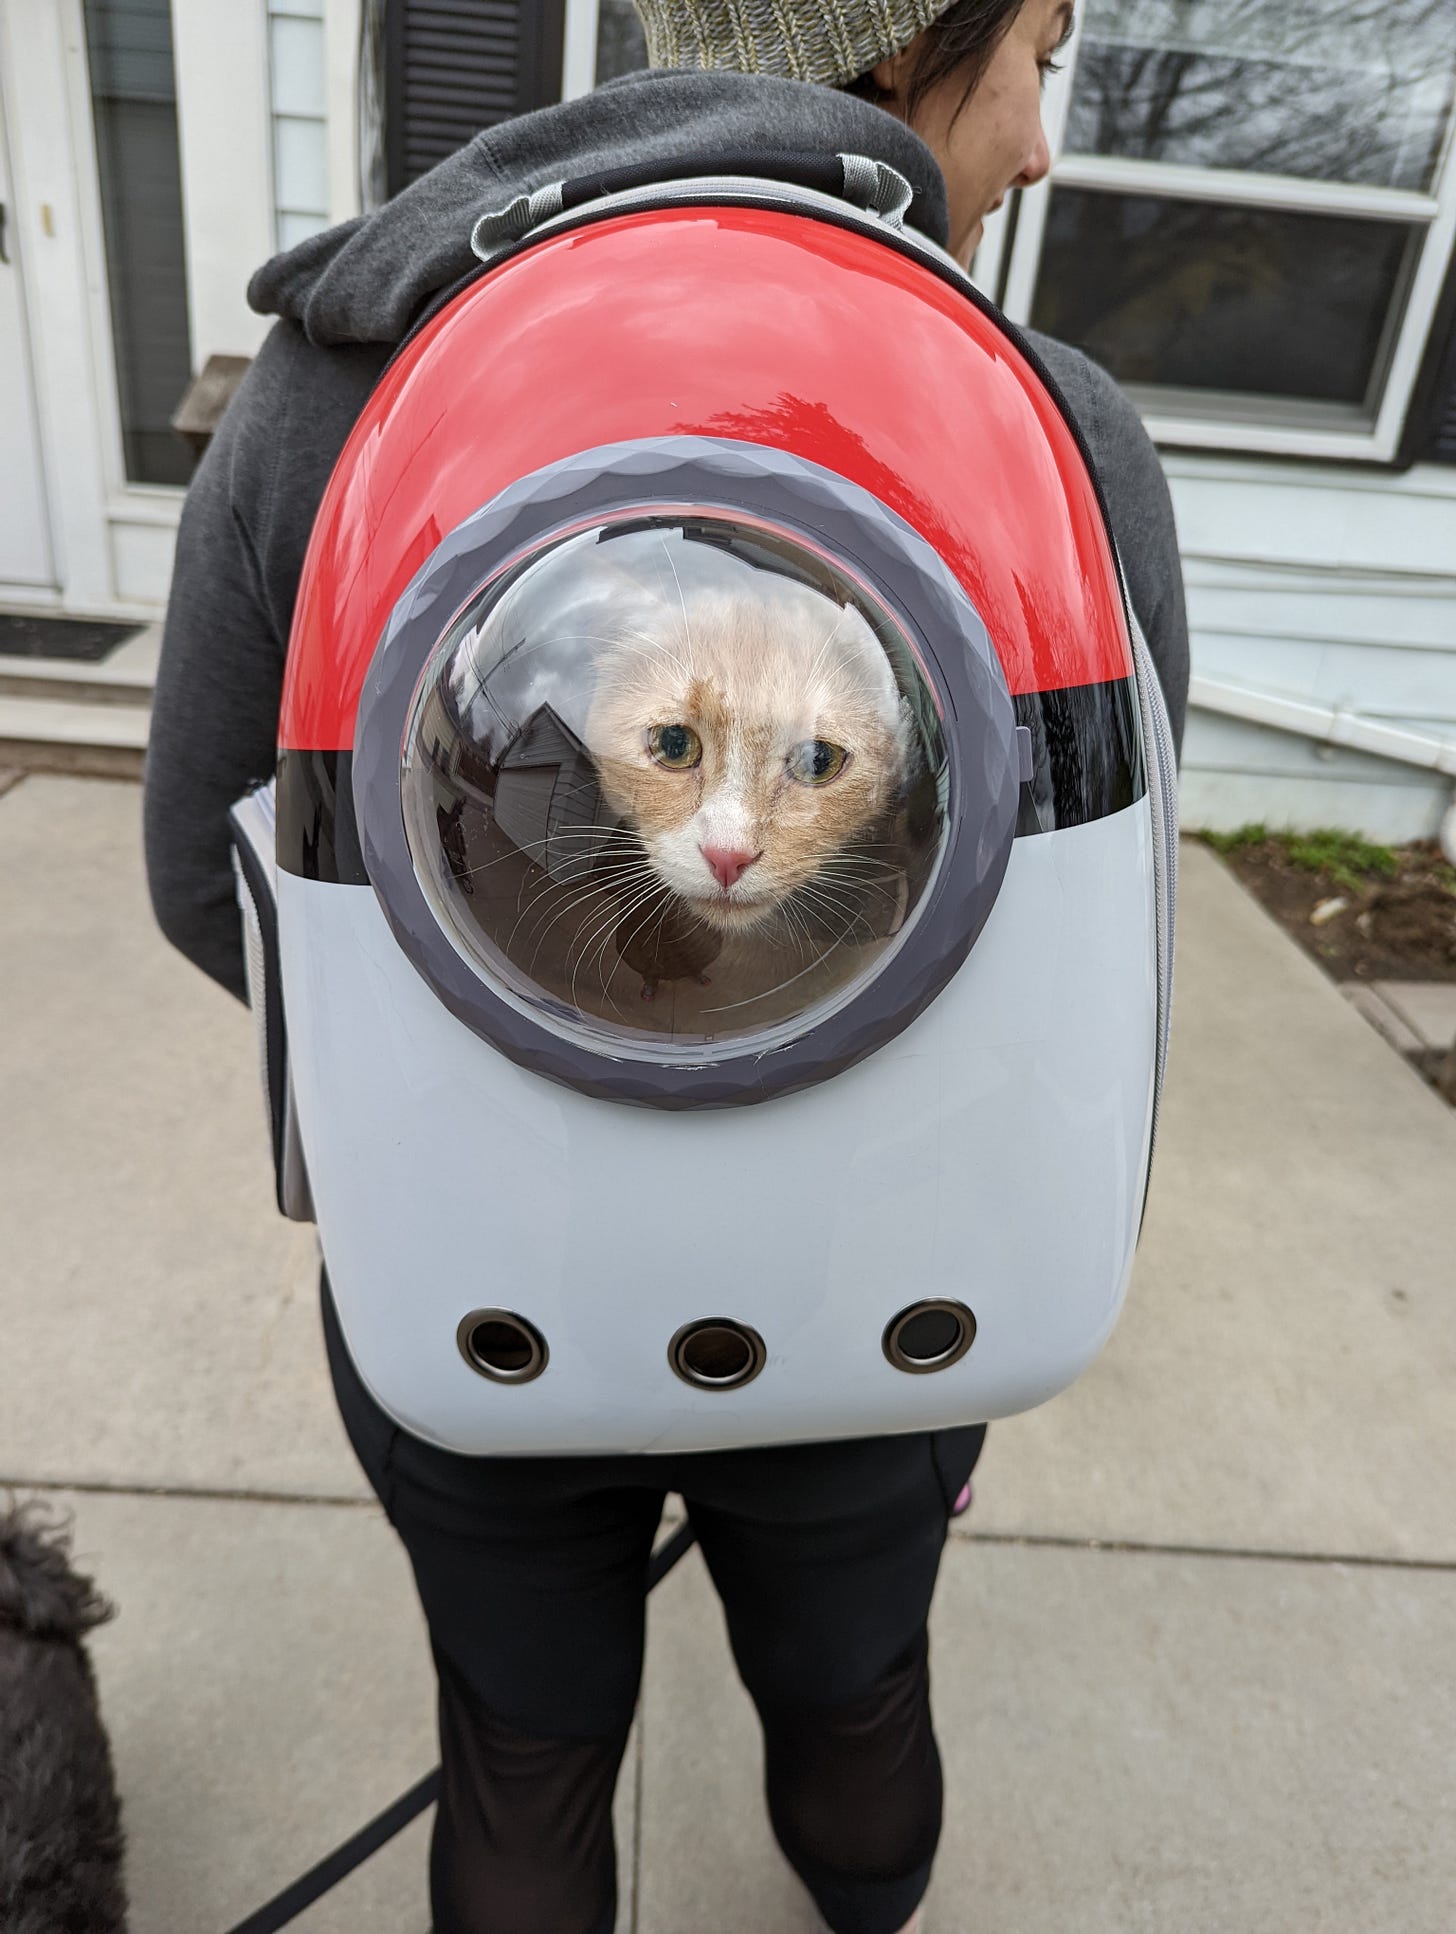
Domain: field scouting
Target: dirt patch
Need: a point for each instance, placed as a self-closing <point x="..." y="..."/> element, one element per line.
<point x="1364" y="912"/>
<point x="1392" y="917"/>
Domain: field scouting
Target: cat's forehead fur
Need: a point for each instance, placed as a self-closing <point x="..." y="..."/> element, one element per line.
<point x="784" y="656"/>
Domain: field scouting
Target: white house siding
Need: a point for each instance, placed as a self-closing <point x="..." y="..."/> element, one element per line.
<point x="1327" y="584"/>
<point x="1334" y="585"/>
<point x="299" y="70"/>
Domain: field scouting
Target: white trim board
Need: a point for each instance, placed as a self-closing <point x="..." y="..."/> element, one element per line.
<point x="579" y="48"/>
<point x="40" y="48"/>
<point x="1302" y="515"/>
<point x="1424" y="480"/>
<point x="1384" y="681"/>
<point x="224" y="126"/>
<point x="1392" y="810"/>
<point x="1335" y="588"/>
<point x="298" y="104"/>
<point x="1298" y="194"/>
<point x="343" y="25"/>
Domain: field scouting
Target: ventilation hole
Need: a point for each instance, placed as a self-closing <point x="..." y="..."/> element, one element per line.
<point x="929" y="1336"/>
<point x="502" y="1346"/>
<point x="717" y="1354"/>
<point x="932" y="1334"/>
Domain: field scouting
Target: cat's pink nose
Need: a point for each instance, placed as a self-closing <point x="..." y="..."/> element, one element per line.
<point x="728" y="863"/>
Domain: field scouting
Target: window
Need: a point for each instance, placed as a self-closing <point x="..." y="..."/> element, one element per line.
<point x="134" y="107"/>
<point x="621" y="43"/>
<point x="1252" y="215"/>
<point x="603" y="39"/>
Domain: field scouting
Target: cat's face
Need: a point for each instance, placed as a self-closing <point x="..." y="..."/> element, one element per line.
<point x="746" y="738"/>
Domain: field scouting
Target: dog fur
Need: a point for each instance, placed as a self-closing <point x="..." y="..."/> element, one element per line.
<point x="60" y="1819"/>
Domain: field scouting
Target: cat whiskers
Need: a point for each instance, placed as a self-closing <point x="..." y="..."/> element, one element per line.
<point x="687" y="626"/>
<point x="580" y="898"/>
<point x="580" y="886"/>
<point x="603" y="836"/>
<point x="600" y="937"/>
<point x="833" y="898"/>
<point x="830" y="909"/>
<point x="766" y="993"/>
<point x="793" y="913"/>
<point x="580" y="895"/>
<point x="851" y="876"/>
<point x="797" y="921"/>
<point x="845" y="900"/>
<point x="816" y="900"/>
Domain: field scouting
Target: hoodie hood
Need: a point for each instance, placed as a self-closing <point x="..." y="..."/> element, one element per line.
<point x="368" y="280"/>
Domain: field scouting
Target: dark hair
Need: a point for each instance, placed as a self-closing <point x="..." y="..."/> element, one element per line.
<point x="961" y="42"/>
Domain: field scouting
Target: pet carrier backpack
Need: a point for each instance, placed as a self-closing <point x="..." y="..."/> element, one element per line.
<point x="713" y="927"/>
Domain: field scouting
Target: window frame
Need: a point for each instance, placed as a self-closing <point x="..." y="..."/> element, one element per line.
<point x="1008" y="265"/>
<point x="579" y="48"/>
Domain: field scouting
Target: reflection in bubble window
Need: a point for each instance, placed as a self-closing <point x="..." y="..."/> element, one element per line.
<point x="674" y="783"/>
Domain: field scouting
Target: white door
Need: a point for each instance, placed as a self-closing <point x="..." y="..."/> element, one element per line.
<point x="25" y="552"/>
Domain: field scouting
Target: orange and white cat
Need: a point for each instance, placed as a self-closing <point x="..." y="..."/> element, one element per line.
<point x="746" y="736"/>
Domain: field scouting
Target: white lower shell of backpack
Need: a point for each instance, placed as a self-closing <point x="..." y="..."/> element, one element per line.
<point x="940" y="1234"/>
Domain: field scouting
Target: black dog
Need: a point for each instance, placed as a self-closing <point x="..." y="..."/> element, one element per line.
<point x="60" y="1819"/>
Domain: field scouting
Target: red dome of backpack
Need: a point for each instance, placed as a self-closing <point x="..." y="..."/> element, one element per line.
<point x="763" y="327"/>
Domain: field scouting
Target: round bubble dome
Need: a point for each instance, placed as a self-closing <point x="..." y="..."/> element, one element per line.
<point x="675" y="784"/>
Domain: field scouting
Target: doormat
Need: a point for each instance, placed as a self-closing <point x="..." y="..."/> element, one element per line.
<point x="81" y="639"/>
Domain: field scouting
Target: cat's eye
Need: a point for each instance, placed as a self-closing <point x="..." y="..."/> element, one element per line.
<point x="677" y="747"/>
<point x="817" y="761"/>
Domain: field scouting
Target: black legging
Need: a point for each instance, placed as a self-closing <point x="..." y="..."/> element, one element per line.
<point x="531" y="1572"/>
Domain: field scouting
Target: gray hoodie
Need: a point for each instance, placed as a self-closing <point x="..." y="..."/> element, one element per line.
<point x="344" y="300"/>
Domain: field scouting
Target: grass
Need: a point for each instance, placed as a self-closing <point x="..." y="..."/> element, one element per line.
<point x="1345" y="858"/>
<point x="1227" y="843"/>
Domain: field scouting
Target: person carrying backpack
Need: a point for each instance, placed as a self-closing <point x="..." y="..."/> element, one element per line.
<point x="531" y="1570"/>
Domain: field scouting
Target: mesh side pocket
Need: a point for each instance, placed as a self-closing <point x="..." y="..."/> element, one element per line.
<point x="1162" y="761"/>
<point x="256" y="970"/>
<point x="254" y="868"/>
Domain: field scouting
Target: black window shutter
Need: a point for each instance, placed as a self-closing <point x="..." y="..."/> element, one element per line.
<point x="453" y="67"/>
<point x="1443" y="450"/>
<point x="1430" y="428"/>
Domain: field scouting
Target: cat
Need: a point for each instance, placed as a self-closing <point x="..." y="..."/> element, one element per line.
<point x="748" y="738"/>
<point x="695" y="754"/>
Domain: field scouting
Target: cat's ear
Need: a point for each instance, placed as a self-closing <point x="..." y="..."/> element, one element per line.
<point x="873" y="661"/>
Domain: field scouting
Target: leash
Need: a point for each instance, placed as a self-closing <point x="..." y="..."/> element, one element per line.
<point x="338" y="1865"/>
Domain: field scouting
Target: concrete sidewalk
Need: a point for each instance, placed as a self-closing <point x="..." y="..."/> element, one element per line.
<point x="1195" y="1647"/>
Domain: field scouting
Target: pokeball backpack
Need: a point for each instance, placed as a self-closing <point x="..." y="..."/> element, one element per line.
<point x="711" y="929"/>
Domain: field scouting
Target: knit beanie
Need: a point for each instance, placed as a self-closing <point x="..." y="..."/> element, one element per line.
<point x="830" y="41"/>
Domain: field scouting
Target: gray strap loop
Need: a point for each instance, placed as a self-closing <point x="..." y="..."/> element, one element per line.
<point x="878" y="187"/>
<point x="499" y="228"/>
<point x="872" y="185"/>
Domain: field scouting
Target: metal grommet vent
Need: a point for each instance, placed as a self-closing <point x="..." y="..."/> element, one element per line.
<point x="717" y="1354"/>
<point x="929" y="1336"/>
<point x="498" y="1344"/>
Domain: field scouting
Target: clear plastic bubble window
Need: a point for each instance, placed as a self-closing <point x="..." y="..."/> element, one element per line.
<point x="676" y="786"/>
